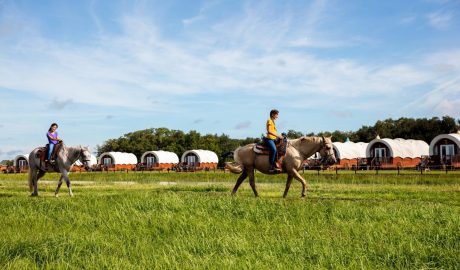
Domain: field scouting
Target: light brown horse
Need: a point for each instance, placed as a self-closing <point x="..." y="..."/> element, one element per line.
<point x="298" y="150"/>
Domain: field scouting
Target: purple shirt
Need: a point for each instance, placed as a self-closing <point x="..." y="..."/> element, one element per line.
<point x="55" y="135"/>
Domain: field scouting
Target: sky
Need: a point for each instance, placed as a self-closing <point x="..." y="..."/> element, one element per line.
<point x="101" y="69"/>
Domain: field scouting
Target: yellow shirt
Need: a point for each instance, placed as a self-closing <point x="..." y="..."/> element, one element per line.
<point x="271" y="128"/>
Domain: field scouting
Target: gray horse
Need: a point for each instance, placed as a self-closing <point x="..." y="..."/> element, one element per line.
<point x="65" y="158"/>
<point x="298" y="150"/>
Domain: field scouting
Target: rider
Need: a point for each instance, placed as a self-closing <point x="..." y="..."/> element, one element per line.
<point x="270" y="139"/>
<point x="53" y="139"/>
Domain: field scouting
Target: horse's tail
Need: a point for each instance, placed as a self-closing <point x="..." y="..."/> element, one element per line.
<point x="31" y="184"/>
<point x="235" y="167"/>
<point x="31" y="172"/>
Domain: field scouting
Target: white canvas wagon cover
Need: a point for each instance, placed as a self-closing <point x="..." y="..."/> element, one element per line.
<point x="401" y="147"/>
<point x="350" y="150"/>
<point x="204" y="156"/>
<point x="25" y="156"/>
<point x="119" y="158"/>
<point x="162" y="157"/>
<point x="455" y="137"/>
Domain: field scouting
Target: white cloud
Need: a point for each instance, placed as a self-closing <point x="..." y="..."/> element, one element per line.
<point x="440" y="19"/>
<point x="128" y="68"/>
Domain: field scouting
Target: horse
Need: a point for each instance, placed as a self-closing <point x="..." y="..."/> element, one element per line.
<point x="297" y="151"/>
<point x="65" y="158"/>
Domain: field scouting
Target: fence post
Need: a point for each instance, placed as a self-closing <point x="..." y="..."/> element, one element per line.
<point x="336" y="171"/>
<point x="398" y="169"/>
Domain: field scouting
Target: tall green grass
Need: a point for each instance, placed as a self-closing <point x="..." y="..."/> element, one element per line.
<point x="372" y="222"/>
<point x="345" y="176"/>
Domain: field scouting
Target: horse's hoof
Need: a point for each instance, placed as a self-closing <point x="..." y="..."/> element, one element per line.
<point x="56" y="195"/>
<point x="33" y="195"/>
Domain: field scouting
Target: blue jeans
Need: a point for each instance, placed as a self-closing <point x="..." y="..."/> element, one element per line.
<point x="272" y="148"/>
<point x="50" y="150"/>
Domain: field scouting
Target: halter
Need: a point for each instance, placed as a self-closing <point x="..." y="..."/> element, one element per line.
<point x="80" y="155"/>
<point x="322" y="146"/>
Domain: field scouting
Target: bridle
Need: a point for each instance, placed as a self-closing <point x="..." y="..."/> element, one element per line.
<point x="81" y="155"/>
<point x="322" y="147"/>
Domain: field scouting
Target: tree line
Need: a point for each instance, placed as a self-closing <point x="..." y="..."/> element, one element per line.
<point x="177" y="141"/>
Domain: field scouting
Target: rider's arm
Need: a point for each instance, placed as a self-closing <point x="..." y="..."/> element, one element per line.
<point x="53" y="138"/>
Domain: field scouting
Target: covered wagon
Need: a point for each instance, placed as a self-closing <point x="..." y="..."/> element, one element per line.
<point x="350" y="155"/>
<point x="158" y="160"/>
<point x="21" y="163"/>
<point x="394" y="153"/>
<point x="116" y="161"/>
<point x="445" y="150"/>
<point x="199" y="160"/>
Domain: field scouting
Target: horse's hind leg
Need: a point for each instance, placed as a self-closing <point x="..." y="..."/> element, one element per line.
<point x="240" y="180"/>
<point x="37" y="176"/>
<point x="288" y="185"/>
<point x="33" y="181"/>
<point x="252" y="181"/>
<point x="58" y="186"/>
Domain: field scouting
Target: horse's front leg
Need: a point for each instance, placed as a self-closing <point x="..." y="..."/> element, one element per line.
<point x="65" y="174"/>
<point x="252" y="181"/>
<point x="288" y="185"/>
<point x="302" y="181"/>
<point x="58" y="186"/>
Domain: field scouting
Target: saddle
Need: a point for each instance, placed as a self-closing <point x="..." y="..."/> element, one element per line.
<point x="43" y="152"/>
<point x="281" y="147"/>
<point x="262" y="149"/>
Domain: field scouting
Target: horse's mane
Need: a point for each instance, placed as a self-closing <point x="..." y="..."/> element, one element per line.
<point x="307" y="138"/>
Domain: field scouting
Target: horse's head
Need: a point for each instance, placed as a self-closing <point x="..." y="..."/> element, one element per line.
<point x="85" y="157"/>
<point x="327" y="151"/>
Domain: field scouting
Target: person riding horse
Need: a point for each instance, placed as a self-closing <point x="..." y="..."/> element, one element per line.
<point x="53" y="139"/>
<point x="270" y="140"/>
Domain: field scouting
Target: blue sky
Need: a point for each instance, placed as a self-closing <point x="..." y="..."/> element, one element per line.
<point x="101" y="69"/>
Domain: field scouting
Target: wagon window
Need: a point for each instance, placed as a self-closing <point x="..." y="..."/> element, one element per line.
<point x="150" y="160"/>
<point x="107" y="161"/>
<point x="447" y="150"/>
<point x="22" y="163"/>
<point x="380" y="152"/>
<point x="191" y="160"/>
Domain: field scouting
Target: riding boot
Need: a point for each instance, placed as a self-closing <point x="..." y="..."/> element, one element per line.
<point x="278" y="165"/>
<point x="274" y="169"/>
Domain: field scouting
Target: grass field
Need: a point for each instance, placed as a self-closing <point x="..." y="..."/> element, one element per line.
<point x="189" y="220"/>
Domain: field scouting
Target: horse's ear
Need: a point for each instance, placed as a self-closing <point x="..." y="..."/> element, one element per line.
<point x="303" y="139"/>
